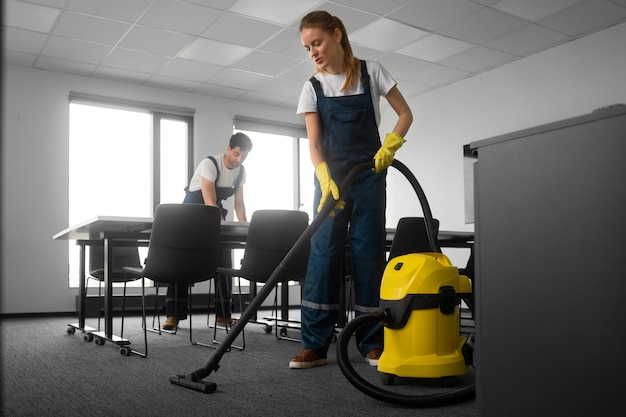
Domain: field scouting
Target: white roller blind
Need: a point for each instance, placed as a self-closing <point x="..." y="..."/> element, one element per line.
<point x="275" y="128"/>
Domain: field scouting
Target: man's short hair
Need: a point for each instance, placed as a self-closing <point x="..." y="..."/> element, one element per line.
<point x="241" y="140"/>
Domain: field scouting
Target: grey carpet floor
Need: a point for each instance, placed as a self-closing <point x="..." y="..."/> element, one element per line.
<point x="47" y="372"/>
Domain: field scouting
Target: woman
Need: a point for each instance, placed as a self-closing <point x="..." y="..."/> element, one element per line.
<point x="340" y="104"/>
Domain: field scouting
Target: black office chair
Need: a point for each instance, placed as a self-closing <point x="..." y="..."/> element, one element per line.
<point x="411" y="236"/>
<point x="123" y="256"/>
<point x="183" y="249"/>
<point x="271" y="235"/>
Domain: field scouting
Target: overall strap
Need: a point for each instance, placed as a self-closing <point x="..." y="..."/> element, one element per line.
<point x="239" y="176"/>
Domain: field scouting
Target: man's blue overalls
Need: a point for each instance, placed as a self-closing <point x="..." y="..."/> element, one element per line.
<point x="350" y="136"/>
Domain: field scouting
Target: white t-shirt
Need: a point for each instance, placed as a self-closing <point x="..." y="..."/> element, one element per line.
<point x="380" y="84"/>
<point x="207" y="169"/>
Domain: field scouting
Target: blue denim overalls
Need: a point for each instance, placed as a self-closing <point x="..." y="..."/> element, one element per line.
<point x="350" y="136"/>
<point x="221" y="193"/>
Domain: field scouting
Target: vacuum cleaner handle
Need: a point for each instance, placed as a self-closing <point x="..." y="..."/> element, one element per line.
<point x="421" y="196"/>
<point x="194" y="380"/>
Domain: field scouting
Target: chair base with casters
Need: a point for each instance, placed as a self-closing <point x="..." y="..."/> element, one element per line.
<point x="122" y="256"/>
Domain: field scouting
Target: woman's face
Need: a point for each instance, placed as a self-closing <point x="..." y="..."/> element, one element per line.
<point x="324" y="49"/>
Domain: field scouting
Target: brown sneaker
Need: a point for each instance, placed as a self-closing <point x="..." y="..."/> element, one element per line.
<point x="307" y="359"/>
<point x="170" y="323"/>
<point x="228" y="321"/>
<point x="373" y="356"/>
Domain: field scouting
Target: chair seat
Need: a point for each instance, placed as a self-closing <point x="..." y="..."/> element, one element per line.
<point x="126" y="274"/>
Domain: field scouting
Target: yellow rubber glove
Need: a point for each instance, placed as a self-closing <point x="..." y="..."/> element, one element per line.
<point x="384" y="157"/>
<point x="328" y="187"/>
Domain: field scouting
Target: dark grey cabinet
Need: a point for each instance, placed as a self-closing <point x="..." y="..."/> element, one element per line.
<point x="550" y="214"/>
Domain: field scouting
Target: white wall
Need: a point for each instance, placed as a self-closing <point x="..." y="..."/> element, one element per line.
<point x="567" y="81"/>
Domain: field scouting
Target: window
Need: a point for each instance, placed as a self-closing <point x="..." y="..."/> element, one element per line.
<point x="124" y="161"/>
<point x="279" y="173"/>
<point x="279" y="170"/>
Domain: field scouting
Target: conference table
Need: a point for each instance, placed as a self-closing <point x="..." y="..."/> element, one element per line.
<point x="135" y="231"/>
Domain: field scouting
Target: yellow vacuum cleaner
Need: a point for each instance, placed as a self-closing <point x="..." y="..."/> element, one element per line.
<point x="422" y="339"/>
<point x="420" y="298"/>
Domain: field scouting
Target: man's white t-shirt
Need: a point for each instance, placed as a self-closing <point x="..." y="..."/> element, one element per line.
<point x="206" y="168"/>
<point x="380" y="84"/>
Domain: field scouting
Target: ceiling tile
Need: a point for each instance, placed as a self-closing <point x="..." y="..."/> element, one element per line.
<point x="395" y="35"/>
<point x="527" y="39"/>
<point x="179" y="16"/>
<point x="157" y="41"/>
<point x="220" y="91"/>
<point x="232" y="77"/>
<point x="279" y="11"/>
<point x="409" y="90"/>
<point x="90" y="28"/>
<point x="172" y="83"/>
<point x="241" y="30"/>
<point x="434" y="14"/>
<point x="262" y="98"/>
<point x="118" y="74"/>
<point x="483" y="26"/>
<point x="75" y="50"/>
<point x="281" y="87"/>
<point x="189" y="70"/>
<point x="301" y="72"/>
<point x="215" y="4"/>
<point x="363" y="52"/>
<point x="124" y="10"/>
<point x="352" y="19"/>
<point x="533" y="10"/>
<point x="477" y="59"/>
<point x="19" y="58"/>
<point x="402" y="67"/>
<point x="585" y="16"/>
<point x="266" y="63"/>
<point x="213" y="52"/>
<point x="238" y="46"/>
<point x="23" y="40"/>
<point x="287" y="42"/>
<point x="29" y="16"/>
<point x="62" y="65"/>
<point x="435" y="75"/>
<point x="375" y="6"/>
<point x="135" y="60"/>
<point x="434" y="48"/>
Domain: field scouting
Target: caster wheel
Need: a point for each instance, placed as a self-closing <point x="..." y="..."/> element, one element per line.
<point x="447" y="381"/>
<point x="125" y="351"/>
<point x="71" y="330"/>
<point x="283" y="332"/>
<point x="387" y="379"/>
<point x="268" y="329"/>
<point x="99" y="341"/>
<point x="88" y="337"/>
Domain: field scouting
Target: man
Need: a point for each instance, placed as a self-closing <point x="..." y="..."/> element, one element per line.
<point x="216" y="178"/>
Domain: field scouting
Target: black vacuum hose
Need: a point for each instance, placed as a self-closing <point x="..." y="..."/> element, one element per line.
<point x="427" y="400"/>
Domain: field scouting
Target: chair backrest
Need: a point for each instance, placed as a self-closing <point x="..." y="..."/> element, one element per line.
<point x="184" y="243"/>
<point x="271" y="236"/>
<point x="411" y="236"/>
<point x="122" y="256"/>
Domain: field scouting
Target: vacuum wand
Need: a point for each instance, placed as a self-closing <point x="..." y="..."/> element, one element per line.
<point x="194" y="379"/>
